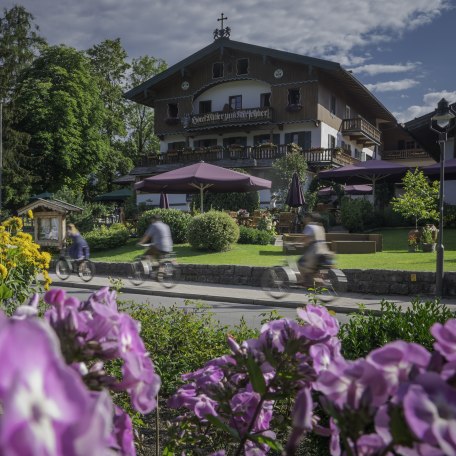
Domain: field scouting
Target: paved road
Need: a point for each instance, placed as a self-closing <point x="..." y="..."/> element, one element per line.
<point x="228" y="313"/>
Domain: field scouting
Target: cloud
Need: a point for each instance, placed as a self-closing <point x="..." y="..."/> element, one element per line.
<point x="374" y="69"/>
<point x="392" y="86"/>
<point x="430" y="101"/>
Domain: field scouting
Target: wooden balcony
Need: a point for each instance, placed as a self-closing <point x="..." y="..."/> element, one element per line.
<point x="250" y="155"/>
<point x="361" y="131"/>
<point x="405" y="154"/>
<point x="221" y="118"/>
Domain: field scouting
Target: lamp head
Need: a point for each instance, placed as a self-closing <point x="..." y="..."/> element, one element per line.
<point x="443" y="114"/>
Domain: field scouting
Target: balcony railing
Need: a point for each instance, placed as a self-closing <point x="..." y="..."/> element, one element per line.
<point x="221" y="118"/>
<point x="314" y="157"/>
<point x="404" y="154"/>
<point x="362" y="131"/>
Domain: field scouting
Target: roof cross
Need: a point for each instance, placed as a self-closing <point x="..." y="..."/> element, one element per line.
<point x="222" y="32"/>
<point x="222" y="19"/>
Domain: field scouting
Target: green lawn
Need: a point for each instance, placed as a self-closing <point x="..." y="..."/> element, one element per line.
<point x="394" y="256"/>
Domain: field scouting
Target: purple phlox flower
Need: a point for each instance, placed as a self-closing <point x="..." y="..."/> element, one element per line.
<point x="218" y="453"/>
<point x="448" y="371"/>
<point x="55" y="296"/>
<point x="276" y="334"/>
<point x="430" y="411"/>
<point x="353" y="383"/>
<point x="183" y="397"/>
<point x="123" y="433"/>
<point x="445" y="339"/>
<point x="321" y="356"/>
<point x="233" y="345"/>
<point x="334" y="440"/>
<point x="370" y="445"/>
<point x="243" y="407"/>
<point x="104" y="296"/>
<point x="258" y="449"/>
<point x="44" y="401"/>
<point x="301" y="419"/>
<point x="320" y="324"/>
<point x="29" y="310"/>
<point x="382" y="424"/>
<point x="397" y="359"/>
<point x="419" y="449"/>
<point x="204" y="406"/>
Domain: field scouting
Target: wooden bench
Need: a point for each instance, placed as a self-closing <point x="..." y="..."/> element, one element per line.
<point x="377" y="238"/>
<point x="353" y="246"/>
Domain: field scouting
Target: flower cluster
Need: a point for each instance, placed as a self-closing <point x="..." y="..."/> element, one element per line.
<point x="242" y="213"/>
<point x="21" y="260"/>
<point x="400" y="399"/>
<point x="53" y="387"/>
<point x="238" y="391"/>
<point x="412" y="240"/>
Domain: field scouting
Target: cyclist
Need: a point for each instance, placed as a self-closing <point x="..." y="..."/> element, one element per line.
<point x="159" y="235"/>
<point x="79" y="248"/>
<point x="316" y="253"/>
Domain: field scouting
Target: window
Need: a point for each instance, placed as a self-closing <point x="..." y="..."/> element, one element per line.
<point x="205" y="106"/>
<point x="217" y="70"/>
<point x="48" y="229"/>
<point x="294" y="97"/>
<point x="242" y="66"/>
<point x="302" y="139"/>
<point x="236" y="102"/>
<point x="331" y="142"/>
<point x="347" y="112"/>
<point x="178" y="145"/>
<point x="332" y="104"/>
<point x="265" y="100"/>
<point x="172" y="110"/>
<point x="261" y="139"/>
<point x="241" y="140"/>
<point x="205" y="142"/>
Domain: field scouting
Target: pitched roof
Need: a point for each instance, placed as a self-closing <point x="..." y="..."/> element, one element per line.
<point x="138" y="94"/>
<point x="53" y="205"/>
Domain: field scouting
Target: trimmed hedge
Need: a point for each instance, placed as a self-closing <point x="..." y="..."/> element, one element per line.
<point x="213" y="231"/>
<point x="107" y="237"/>
<point x="254" y="236"/>
<point x="176" y="219"/>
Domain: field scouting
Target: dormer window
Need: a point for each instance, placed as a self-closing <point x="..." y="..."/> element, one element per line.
<point x="217" y="70"/>
<point x="173" y="110"/>
<point x="242" y="66"/>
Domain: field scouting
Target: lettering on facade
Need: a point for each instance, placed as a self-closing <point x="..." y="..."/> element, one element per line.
<point x="235" y="116"/>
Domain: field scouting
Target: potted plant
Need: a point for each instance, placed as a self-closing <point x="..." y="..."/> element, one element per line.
<point x="412" y="241"/>
<point x="427" y="239"/>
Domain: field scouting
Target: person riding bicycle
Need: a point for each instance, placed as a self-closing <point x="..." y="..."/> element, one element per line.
<point x="316" y="254"/>
<point x="159" y="235"/>
<point x="79" y="248"/>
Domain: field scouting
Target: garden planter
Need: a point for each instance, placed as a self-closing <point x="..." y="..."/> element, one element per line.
<point x="413" y="248"/>
<point x="428" y="247"/>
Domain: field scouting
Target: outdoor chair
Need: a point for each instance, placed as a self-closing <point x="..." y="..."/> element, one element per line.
<point x="285" y="222"/>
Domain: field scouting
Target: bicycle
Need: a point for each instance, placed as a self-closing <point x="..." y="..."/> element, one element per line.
<point x="163" y="271"/>
<point x="66" y="265"/>
<point x="278" y="281"/>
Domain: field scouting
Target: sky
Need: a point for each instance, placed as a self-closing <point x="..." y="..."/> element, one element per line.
<point x="402" y="50"/>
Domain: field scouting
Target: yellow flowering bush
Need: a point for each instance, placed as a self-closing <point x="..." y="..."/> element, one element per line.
<point x="21" y="260"/>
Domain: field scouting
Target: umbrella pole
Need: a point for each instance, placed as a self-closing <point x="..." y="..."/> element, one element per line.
<point x="201" y="200"/>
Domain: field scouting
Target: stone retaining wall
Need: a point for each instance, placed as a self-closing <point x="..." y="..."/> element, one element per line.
<point x="379" y="282"/>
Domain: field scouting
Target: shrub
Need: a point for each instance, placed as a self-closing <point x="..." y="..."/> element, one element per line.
<point x="254" y="236"/>
<point x="177" y="220"/>
<point x="213" y="231"/>
<point x="228" y="201"/>
<point x="366" y="331"/>
<point x="107" y="237"/>
<point x="356" y="214"/>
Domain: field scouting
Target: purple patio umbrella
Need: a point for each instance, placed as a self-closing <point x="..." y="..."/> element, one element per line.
<point x="295" y="197"/>
<point x="202" y="176"/>
<point x="164" y="203"/>
<point x="433" y="171"/>
<point x="371" y="171"/>
<point x="361" y="189"/>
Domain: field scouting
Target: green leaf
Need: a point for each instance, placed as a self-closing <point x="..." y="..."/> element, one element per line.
<point x="256" y="376"/>
<point x="5" y="292"/>
<point x="167" y="452"/>
<point x="263" y="439"/>
<point x="216" y="421"/>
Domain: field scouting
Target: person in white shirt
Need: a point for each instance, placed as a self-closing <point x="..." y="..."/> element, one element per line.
<point x="159" y="235"/>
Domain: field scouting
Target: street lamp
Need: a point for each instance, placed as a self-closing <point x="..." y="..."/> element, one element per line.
<point x="440" y="123"/>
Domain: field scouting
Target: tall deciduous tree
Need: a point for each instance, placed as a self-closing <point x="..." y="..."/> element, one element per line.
<point x="140" y="118"/>
<point x="62" y="111"/>
<point x="285" y="167"/>
<point x="20" y="44"/>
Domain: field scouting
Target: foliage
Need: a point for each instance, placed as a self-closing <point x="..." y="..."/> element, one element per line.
<point x="107" y="237"/>
<point x="181" y="339"/>
<point x="356" y="214"/>
<point x="228" y="201"/>
<point x="21" y="260"/>
<point x="311" y="199"/>
<point x="61" y="110"/>
<point x="420" y="198"/>
<point x="254" y="236"/>
<point x="20" y="43"/>
<point x="177" y="221"/>
<point x="287" y="165"/>
<point x="427" y="235"/>
<point x="449" y="216"/>
<point x="412" y="239"/>
<point x="213" y="230"/>
<point x="367" y="330"/>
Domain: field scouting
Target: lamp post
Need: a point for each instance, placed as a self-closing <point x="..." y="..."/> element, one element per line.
<point x="440" y="123"/>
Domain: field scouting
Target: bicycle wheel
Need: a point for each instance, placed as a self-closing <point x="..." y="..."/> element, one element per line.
<point x="275" y="283"/>
<point x="167" y="274"/>
<point x="63" y="269"/>
<point x="86" y="270"/>
<point x="327" y="285"/>
<point x="137" y="274"/>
